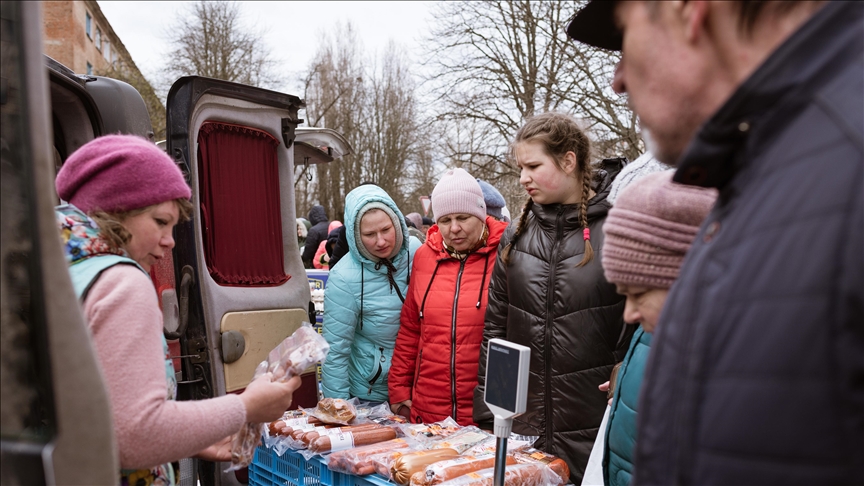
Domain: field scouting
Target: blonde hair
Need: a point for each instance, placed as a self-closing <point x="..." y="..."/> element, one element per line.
<point x="111" y="223"/>
<point x="557" y="134"/>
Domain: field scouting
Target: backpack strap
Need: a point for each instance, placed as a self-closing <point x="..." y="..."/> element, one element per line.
<point x="85" y="272"/>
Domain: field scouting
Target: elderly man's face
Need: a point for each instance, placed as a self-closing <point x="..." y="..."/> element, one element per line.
<point x="662" y="74"/>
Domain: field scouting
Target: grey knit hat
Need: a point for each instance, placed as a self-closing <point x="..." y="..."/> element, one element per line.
<point x="397" y="226"/>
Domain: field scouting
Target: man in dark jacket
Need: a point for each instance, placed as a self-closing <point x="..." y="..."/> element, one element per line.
<point x="317" y="234"/>
<point x="756" y="372"/>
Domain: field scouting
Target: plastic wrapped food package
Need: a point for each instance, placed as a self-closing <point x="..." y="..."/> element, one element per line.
<point x="462" y="440"/>
<point x="335" y="411"/>
<point x="535" y="456"/>
<point x="442" y="471"/>
<point x="408" y="464"/>
<point x="529" y="474"/>
<point x="427" y="434"/>
<point x="290" y="358"/>
<point x="490" y="445"/>
<point x="357" y="461"/>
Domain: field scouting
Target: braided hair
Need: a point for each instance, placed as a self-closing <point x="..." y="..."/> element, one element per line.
<point x="558" y="134"/>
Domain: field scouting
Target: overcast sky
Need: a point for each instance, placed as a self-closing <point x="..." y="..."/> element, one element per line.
<point x="291" y="28"/>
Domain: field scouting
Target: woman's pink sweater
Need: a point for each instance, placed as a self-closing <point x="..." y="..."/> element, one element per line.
<point x="125" y="320"/>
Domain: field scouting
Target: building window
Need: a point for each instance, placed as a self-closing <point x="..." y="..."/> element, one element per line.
<point x="106" y="50"/>
<point x="88" y="25"/>
<point x="89" y="69"/>
<point x="98" y="39"/>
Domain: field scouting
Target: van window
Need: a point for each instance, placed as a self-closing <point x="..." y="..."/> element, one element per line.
<point x="240" y="205"/>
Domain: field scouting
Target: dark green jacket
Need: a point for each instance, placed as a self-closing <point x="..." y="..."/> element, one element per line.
<point x="621" y="429"/>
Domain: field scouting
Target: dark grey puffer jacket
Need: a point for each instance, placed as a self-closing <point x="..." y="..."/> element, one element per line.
<point x="317" y="233"/>
<point x="570" y="317"/>
<point x="756" y="372"/>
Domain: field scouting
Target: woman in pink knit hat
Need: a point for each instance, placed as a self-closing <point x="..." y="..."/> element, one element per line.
<point x="437" y="352"/>
<point x="648" y="233"/>
<point x="125" y="196"/>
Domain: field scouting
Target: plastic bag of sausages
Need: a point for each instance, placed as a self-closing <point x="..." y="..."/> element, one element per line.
<point x="358" y="461"/>
<point x="529" y="474"/>
<point x="290" y="358"/>
<point x="439" y="472"/>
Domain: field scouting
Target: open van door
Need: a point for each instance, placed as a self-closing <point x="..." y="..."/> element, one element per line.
<point x="55" y="423"/>
<point x="242" y="286"/>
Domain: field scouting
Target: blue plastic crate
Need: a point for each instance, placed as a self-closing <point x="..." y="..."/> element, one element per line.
<point x="268" y="469"/>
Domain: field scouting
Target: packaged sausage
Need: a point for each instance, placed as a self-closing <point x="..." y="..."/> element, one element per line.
<point x="357" y="460"/>
<point x="490" y="445"/>
<point x="528" y="474"/>
<point x="348" y="440"/>
<point x="408" y="464"/>
<point x="290" y="358"/>
<point x="442" y="471"/>
<point x="534" y="456"/>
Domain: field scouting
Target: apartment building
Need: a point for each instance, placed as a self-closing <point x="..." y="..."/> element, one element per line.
<point x="77" y="35"/>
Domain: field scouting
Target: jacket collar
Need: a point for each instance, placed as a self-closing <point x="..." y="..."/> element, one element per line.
<point x="768" y="100"/>
<point x="598" y="206"/>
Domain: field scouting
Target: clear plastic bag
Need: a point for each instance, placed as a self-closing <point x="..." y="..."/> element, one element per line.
<point x="533" y="474"/>
<point x="290" y="358"/>
<point x="462" y="440"/>
<point x="427" y="434"/>
<point x="490" y="444"/>
<point x="336" y="410"/>
<point x="357" y="461"/>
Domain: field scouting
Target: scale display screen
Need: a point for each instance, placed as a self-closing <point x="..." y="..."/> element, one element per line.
<point x="502" y="376"/>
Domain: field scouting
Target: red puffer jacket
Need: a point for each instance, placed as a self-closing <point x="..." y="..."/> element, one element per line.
<point x="438" y="348"/>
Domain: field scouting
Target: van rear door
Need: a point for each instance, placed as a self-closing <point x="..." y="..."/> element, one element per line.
<point x="242" y="287"/>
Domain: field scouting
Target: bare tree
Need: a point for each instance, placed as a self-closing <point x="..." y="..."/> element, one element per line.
<point x="212" y="41"/>
<point x="372" y="103"/>
<point x="496" y="63"/>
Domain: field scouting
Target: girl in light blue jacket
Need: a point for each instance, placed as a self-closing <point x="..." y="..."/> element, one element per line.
<point x="364" y="297"/>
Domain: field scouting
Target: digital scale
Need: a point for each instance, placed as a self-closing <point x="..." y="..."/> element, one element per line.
<point x="506" y="393"/>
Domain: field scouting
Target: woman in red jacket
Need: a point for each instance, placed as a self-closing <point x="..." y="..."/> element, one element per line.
<point x="435" y="362"/>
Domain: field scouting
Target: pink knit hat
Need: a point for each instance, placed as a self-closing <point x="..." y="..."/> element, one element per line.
<point x="458" y="192"/>
<point x="118" y="173"/>
<point x="650" y="228"/>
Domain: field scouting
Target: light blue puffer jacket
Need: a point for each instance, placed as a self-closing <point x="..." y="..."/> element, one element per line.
<point x="361" y="350"/>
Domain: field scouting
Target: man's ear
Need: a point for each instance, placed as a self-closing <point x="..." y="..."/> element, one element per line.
<point x="694" y="15"/>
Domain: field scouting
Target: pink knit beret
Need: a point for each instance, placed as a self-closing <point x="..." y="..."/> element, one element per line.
<point x="650" y="228"/>
<point x="118" y="173"/>
<point x="458" y="192"/>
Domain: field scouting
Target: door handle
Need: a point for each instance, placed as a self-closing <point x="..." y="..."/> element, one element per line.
<point x="187" y="279"/>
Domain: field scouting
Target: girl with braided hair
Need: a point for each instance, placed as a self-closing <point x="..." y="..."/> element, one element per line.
<point x="548" y="291"/>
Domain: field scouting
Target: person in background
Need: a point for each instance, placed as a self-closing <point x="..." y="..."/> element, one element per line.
<point x="756" y="373"/>
<point x="325" y="248"/>
<point x="339" y="242"/>
<point x="648" y="233"/>
<point x="364" y="297"/>
<point x="548" y="291"/>
<point x="495" y="203"/>
<point x="415" y="222"/>
<point x="317" y="234"/>
<point x="427" y="223"/>
<point x="303" y="226"/>
<point x="125" y="197"/>
<point x="645" y="164"/>
<point x="437" y="352"/>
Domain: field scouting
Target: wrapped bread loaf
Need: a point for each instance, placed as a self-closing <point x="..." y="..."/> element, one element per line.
<point x="335" y="411"/>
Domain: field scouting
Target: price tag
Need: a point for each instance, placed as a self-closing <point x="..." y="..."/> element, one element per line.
<point x="333" y="431"/>
<point x="341" y="441"/>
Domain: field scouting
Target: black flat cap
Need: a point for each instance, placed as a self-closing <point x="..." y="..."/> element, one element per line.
<point x="595" y="25"/>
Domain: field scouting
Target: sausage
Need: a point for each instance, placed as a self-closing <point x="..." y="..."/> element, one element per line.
<point x="309" y="436"/>
<point x="446" y="470"/>
<point x="555" y="463"/>
<point x="361" y="437"/>
<point x="405" y="466"/>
